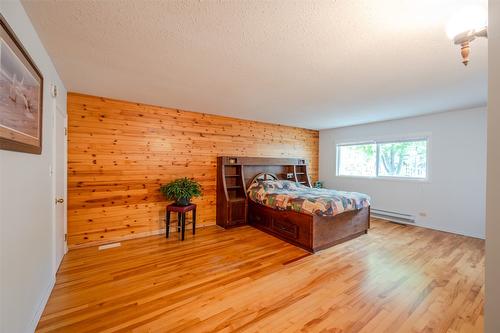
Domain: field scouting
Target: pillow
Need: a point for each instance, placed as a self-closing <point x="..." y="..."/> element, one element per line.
<point x="290" y="185"/>
<point x="278" y="185"/>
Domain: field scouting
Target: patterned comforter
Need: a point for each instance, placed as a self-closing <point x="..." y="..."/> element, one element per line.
<point x="288" y="195"/>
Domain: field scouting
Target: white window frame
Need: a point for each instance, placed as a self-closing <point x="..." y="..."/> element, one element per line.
<point x="377" y="143"/>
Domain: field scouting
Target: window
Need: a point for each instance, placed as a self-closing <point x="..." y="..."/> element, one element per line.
<point x="403" y="159"/>
<point x="398" y="159"/>
<point x="357" y="160"/>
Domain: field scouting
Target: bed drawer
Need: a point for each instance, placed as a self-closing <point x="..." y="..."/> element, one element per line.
<point x="292" y="227"/>
<point x="285" y="227"/>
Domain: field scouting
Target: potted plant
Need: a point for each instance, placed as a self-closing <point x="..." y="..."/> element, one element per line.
<point x="181" y="190"/>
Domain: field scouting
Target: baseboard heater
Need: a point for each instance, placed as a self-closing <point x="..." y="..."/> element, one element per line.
<point x="392" y="216"/>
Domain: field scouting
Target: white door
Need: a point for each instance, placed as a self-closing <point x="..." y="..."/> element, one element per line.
<point x="60" y="176"/>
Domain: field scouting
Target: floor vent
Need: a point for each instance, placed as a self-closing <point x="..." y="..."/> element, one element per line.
<point x="392" y="216"/>
<point x="109" y="246"/>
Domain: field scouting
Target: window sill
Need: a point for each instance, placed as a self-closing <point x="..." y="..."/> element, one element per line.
<point x="391" y="179"/>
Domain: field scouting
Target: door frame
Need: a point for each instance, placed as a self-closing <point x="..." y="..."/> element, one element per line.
<point x="55" y="174"/>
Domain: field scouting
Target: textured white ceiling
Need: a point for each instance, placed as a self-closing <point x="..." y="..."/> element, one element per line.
<point x="314" y="64"/>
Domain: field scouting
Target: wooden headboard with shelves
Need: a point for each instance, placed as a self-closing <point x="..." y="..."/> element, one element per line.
<point x="234" y="175"/>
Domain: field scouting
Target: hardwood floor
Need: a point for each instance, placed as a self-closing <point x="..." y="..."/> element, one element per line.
<point x="394" y="279"/>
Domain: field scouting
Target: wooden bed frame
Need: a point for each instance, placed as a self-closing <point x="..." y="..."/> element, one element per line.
<point x="312" y="233"/>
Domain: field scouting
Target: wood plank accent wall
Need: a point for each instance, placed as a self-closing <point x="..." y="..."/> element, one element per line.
<point x="120" y="152"/>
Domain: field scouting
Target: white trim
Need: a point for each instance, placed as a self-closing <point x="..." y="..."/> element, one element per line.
<point x="31" y="327"/>
<point x="53" y="192"/>
<point x="58" y="173"/>
<point x="65" y="182"/>
<point x="386" y="178"/>
<point x="385" y="138"/>
<point x="356" y="143"/>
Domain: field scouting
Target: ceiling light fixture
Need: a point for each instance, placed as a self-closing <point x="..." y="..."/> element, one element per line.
<point x="465" y="26"/>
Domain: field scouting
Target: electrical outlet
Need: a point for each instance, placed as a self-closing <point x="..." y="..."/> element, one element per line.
<point x="289" y="175"/>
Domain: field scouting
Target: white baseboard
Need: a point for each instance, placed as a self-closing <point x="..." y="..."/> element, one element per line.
<point x="41" y="306"/>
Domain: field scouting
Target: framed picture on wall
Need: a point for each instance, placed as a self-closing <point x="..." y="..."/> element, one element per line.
<point x="21" y="92"/>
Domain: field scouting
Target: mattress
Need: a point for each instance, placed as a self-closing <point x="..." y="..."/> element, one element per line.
<point x="288" y="195"/>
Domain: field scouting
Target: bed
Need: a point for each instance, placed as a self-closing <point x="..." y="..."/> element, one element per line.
<point x="313" y="219"/>
<point x="275" y="195"/>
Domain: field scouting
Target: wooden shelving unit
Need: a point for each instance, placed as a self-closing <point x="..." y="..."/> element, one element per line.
<point x="231" y="196"/>
<point x="301" y="175"/>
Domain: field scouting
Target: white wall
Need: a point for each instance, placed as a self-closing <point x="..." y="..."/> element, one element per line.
<point x="27" y="201"/>
<point x="492" y="310"/>
<point x="453" y="199"/>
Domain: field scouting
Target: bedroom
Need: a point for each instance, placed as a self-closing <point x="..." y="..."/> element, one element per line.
<point x="339" y="157"/>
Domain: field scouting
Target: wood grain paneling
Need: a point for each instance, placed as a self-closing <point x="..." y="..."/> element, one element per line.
<point x="120" y="152"/>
